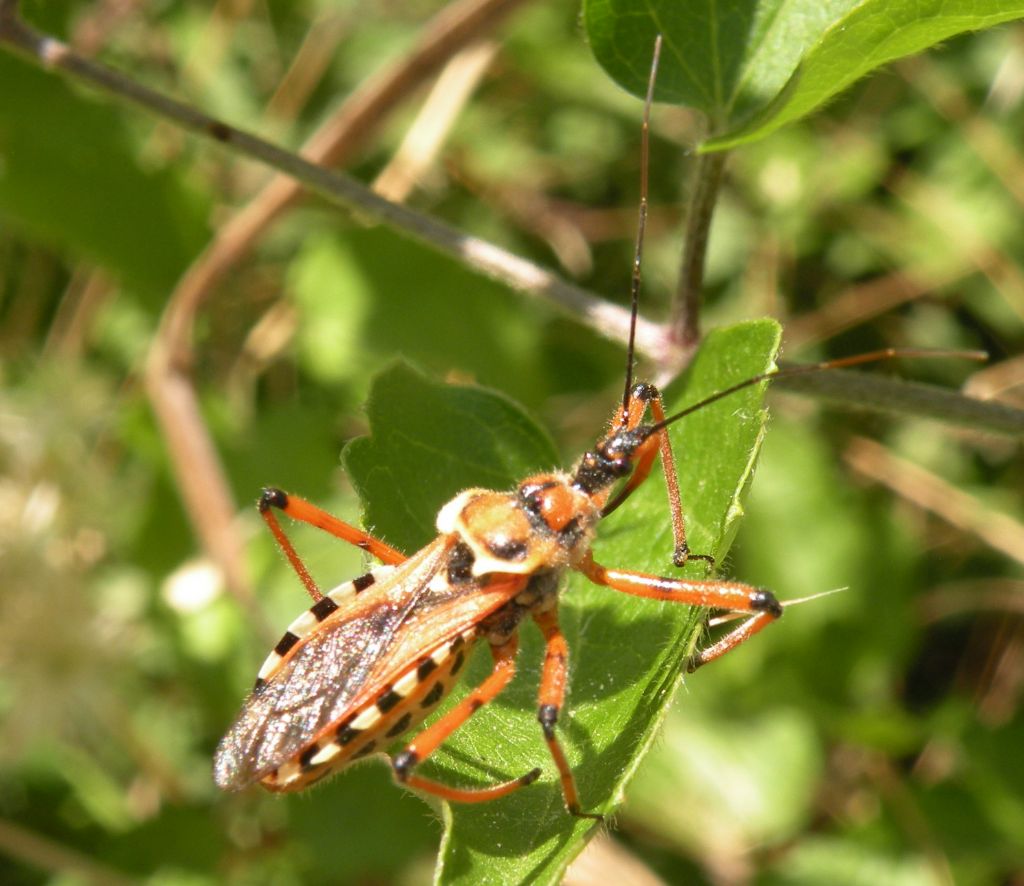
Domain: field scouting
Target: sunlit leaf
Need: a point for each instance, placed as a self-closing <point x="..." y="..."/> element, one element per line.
<point x="752" y="67"/>
<point x="70" y="176"/>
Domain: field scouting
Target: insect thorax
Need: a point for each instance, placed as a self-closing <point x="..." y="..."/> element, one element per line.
<point x="539" y="594"/>
<point x="545" y="525"/>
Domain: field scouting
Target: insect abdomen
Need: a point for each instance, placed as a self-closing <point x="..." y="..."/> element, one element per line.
<point x="372" y="727"/>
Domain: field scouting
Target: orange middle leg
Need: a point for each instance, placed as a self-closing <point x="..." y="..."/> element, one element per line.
<point x="552" y="697"/>
<point x="434" y="736"/>
<point x="714" y="594"/>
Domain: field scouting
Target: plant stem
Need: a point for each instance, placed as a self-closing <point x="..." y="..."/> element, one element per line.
<point x="684" y="322"/>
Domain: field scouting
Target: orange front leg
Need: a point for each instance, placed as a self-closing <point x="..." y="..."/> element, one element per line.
<point x="712" y="593"/>
<point x="301" y="510"/>
<point x="643" y="395"/>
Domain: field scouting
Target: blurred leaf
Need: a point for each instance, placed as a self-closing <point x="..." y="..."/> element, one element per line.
<point x="437" y="312"/>
<point x="363" y="831"/>
<point x="628" y="653"/>
<point x="334" y="299"/>
<point x="755" y="66"/>
<point x="70" y="174"/>
<point x="848" y="863"/>
<point x="753" y="780"/>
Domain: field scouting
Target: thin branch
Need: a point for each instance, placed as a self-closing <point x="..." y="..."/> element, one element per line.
<point x="193" y="455"/>
<point x="339" y="139"/>
<point x="906" y="398"/>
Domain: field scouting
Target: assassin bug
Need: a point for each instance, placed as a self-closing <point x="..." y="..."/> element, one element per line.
<point x="372" y="658"/>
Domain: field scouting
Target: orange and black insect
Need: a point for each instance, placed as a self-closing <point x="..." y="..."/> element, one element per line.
<point x="372" y="658"/>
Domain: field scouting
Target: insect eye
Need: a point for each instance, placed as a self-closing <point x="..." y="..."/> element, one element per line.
<point x="550" y="501"/>
<point x="532" y="496"/>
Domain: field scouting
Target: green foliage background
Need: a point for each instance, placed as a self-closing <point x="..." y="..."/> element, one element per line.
<point x="870" y="737"/>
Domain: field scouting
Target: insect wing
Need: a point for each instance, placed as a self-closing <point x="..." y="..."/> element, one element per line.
<point x="315" y="672"/>
<point x="348" y="656"/>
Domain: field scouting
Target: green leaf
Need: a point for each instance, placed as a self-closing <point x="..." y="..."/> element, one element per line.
<point x="431" y="440"/>
<point x="867" y="37"/>
<point x="827" y="859"/>
<point x="727" y="60"/>
<point x="755" y="66"/>
<point x="627" y="654"/>
<point x="357" y="303"/>
<point x="70" y="174"/>
<point x="717" y="764"/>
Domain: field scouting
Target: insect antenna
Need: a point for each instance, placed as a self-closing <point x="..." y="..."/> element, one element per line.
<point x="807" y="369"/>
<point x="634" y="283"/>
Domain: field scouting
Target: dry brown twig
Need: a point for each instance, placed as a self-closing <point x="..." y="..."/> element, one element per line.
<point x="924" y="489"/>
<point x="428" y="132"/>
<point x="864" y="302"/>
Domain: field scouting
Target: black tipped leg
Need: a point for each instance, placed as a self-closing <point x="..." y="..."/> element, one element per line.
<point x="403" y="764"/>
<point x="765" y="601"/>
<point x="273" y="498"/>
<point x="765" y="609"/>
<point x="681" y="556"/>
<point x="576" y="812"/>
<point x="547" y="716"/>
<point x="530" y="777"/>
